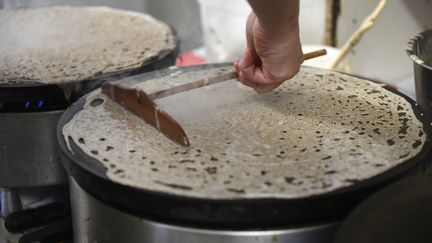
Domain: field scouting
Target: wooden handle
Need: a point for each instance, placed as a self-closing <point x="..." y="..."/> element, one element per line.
<point x="317" y="53"/>
<point x="215" y="79"/>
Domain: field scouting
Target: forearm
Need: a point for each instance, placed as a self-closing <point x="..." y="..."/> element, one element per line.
<point x="276" y="15"/>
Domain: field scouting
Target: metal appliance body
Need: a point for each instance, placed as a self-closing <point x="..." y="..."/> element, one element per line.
<point x="420" y="51"/>
<point x="407" y="216"/>
<point x="28" y="150"/>
<point x="95" y="221"/>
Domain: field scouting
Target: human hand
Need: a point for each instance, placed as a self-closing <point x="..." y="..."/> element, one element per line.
<point x="272" y="55"/>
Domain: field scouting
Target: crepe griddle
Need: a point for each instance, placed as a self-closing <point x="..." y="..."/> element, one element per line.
<point x="226" y="213"/>
<point x="14" y="96"/>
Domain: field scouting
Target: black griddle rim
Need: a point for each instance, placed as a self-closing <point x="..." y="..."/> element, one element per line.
<point x="229" y="213"/>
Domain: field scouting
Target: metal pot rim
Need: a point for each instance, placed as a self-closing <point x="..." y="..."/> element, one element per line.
<point x="411" y="48"/>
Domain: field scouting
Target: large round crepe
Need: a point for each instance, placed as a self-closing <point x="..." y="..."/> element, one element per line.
<point x="64" y="44"/>
<point x="319" y="132"/>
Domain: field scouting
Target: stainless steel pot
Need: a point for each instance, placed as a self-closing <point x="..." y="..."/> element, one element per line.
<point x="420" y="51"/>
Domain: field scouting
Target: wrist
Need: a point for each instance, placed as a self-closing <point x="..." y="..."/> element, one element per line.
<point x="280" y="30"/>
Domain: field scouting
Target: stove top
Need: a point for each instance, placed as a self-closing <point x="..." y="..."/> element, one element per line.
<point x="35" y="215"/>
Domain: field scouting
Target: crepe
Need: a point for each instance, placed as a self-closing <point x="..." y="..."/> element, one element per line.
<point x="319" y="132"/>
<point x="68" y="44"/>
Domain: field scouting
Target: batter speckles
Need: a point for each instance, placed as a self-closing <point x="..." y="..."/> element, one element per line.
<point x="316" y="133"/>
<point x="66" y="44"/>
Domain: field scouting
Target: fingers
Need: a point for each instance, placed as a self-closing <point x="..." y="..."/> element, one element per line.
<point x="248" y="59"/>
<point x="256" y="77"/>
<point x="266" y="74"/>
<point x="256" y="82"/>
<point x="251" y="76"/>
<point x="247" y="80"/>
<point x="268" y="60"/>
<point x="247" y="68"/>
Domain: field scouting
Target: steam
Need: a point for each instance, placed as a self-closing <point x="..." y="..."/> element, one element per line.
<point x="35" y="44"/>
<point x="201" y="104"/>
<point x="31" y="33"/>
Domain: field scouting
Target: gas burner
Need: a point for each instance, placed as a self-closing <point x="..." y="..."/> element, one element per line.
<point x="16" y="98"/>
<point x="40" y="214"/>
<point x="49" y="223"/>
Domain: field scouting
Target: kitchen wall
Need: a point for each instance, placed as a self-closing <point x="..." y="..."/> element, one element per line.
<point x="183" y="15"/>
<point x="381" y="53"/>
<point x="137" y="5"/>
<point x="224" y="26"/>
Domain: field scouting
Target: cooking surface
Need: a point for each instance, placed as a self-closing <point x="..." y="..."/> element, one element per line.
<point x="64" y="44"/>
<point x="320" y="132"/>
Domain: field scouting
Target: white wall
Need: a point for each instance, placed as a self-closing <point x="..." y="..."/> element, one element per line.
<point x="136" y="5"/>
<point x="183" y="15"/>
<point x="312" y="21"/>
<point x="381" y="52"/>
<point x="224" y="26"/>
